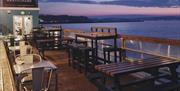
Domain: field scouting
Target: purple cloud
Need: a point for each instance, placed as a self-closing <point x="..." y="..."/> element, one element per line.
<point x="138" y="3"/>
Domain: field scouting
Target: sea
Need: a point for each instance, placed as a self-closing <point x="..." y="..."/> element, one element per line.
<point x="159" y="29"/>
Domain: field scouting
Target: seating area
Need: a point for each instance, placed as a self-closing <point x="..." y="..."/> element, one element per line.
<point x="85" y="61"/>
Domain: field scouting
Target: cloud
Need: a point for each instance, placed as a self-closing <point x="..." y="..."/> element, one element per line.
<point x="71" y="1"/>
<point x="60" y="8"/>
<point x="145" y="3"/>
<point x="137" y="3"/>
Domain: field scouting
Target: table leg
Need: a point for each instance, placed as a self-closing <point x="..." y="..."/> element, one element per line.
<point x="104" y="57"/>
<point x="18" y="83"/>
<point x="174" y="73"/>
<point x="92" y="44"/>
<point x="56" y="86"/>
<point x="69" y="56"/>
<point x="115" y="51"/>
<point x="76" y="39"/>
<point x="43" y="50"/>
<point x="86" y="62"/>
<point x="109" y="58"/>
<point x="117" y="86"/>
<point x="96" y="50"/>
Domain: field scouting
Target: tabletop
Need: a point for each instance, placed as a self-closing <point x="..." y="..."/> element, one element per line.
<point x="114" y="69"/>
<point x="21" y="67"/>
<point x="96" y="35"/>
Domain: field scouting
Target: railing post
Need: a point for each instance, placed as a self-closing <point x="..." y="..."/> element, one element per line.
<point x="141" y="48"/>
<point x="1" y="3"/>
<point x="122" y="50"/>
<point x="169" y="51"/>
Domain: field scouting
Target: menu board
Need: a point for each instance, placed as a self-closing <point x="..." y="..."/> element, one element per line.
<point x="20" y="3"/>
<point x="18" y="0"/>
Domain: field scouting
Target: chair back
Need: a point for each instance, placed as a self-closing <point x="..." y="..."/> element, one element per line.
<point x="21" y="43"/>
<point x="104" y="29"/>
<point x="41" y="78"/>
<point x="23" y="50"/>
<point x="28" y="59"/>
<point x="12" y="41"/>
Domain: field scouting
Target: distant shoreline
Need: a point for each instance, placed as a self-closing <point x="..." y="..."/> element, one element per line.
<point x="67" y="19"/>
<point x="107" y="22"/>
<point x="89" y="22"/>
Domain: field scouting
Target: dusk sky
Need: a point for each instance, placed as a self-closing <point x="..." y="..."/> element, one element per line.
<point x="109" y="7"/>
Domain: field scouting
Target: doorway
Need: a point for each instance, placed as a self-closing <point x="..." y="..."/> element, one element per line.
<point x="22" y="24"/>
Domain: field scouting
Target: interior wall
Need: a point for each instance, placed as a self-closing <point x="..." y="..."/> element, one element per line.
<point x="6" y="19"/>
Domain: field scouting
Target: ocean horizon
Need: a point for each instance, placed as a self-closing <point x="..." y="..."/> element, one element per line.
<point x="158" y="29"/>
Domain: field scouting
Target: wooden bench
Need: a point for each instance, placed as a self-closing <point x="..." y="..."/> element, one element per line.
<point x="151" y="65"/>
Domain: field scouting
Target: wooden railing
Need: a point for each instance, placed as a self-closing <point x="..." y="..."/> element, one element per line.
<point x="20" y="3"/>
<point x="7" y="82"/>
<point x="174" y="42"/>
<point x="141" y="39"/>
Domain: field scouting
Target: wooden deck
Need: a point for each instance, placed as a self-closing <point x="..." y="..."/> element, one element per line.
<point x="69" y="79"/>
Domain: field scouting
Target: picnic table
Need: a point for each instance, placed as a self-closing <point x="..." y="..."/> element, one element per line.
<point x="95" y="36"/>
<point x="152" y="65"/>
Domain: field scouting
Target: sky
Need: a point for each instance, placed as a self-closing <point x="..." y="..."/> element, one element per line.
<point x="109" y="7"/>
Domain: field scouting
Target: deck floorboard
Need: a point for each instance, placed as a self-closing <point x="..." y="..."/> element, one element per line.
<point x="69" y="79"/>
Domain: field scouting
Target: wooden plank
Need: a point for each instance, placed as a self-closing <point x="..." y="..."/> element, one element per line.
<point x="7" y="81"/>
<point x="126" y="61"/>
<point x="131" y="66"/>
<point x="111" y="69"/>
<point x="141" y="68"/>
<point x="96" y="35"/>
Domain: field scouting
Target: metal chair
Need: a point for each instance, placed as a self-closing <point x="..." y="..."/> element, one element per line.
<point x="107" y="54"/>
<point x="27" y="59"/>
<point x="41" y="78"/>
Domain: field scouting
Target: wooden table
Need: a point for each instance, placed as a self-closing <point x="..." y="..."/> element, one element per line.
<point x="19" y="68"/>
<point x="95" y="36"/>
<point x="116" y="70"/>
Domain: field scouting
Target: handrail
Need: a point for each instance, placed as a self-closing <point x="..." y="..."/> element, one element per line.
<point x="7" y="79"/>
<point x="174" y="42"/>
<point x="141" y="39"/>
<point x="111" y="28"/>
<point x="151" y="53"/>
